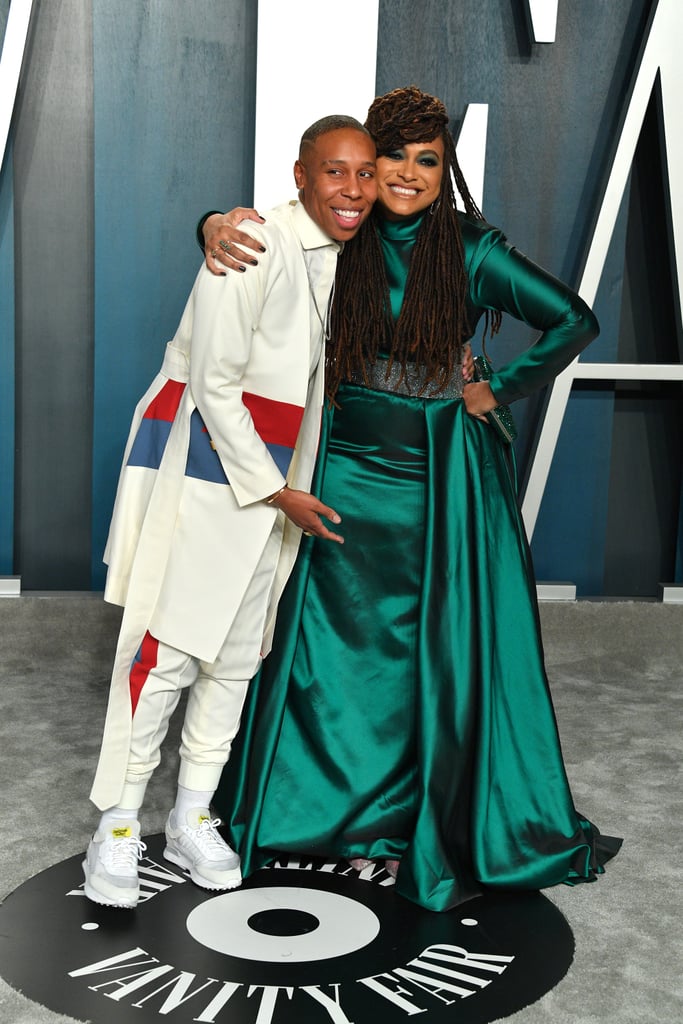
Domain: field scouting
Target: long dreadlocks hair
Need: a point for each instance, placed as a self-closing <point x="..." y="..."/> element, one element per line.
<point x="433" y="324"/>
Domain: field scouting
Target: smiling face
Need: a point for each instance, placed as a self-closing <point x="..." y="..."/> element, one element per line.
<point x="409" y="178"/>
<point x="336" y="178"/>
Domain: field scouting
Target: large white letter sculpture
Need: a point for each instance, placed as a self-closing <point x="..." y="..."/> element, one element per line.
<point x="542" y="16"/>
<point x="471" y="149"/>
<point x="14" y="44"/>
<point x="296" y="82"/>
<point x="16" y="32"/>
<point x="659" y="55"/>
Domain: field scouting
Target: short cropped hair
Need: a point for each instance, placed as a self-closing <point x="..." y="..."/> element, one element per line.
<point x="331" y="123"/>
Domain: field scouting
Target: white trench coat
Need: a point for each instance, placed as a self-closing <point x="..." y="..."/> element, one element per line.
<point x="233" y="413"/>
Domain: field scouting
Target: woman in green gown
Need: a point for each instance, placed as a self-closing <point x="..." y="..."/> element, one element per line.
<point x="404" y="714"/>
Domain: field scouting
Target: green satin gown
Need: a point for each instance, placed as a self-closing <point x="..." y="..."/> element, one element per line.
<point x="404" y="711"/>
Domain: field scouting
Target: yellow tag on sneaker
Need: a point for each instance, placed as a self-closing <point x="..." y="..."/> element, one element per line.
<point x="204" y="817"/>
<point x="124" y="832"/>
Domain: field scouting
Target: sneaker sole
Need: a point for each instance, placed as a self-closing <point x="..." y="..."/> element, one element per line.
<point x="107" y="901"/>
<point x="232" y="881"/>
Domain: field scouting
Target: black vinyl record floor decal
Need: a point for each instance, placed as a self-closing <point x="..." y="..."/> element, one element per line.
<point x="301" y="941"/>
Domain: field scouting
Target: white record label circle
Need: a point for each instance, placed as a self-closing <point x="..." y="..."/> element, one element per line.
<point x="222" y="924"/>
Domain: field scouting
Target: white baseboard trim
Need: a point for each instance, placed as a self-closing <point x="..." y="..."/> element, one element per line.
<point x="556" y="591"/>
<point x="10" y="586"/>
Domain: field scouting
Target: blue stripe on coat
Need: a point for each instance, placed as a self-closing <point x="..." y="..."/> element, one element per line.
<point x="281" y="456"/>
<point x="202" y="460"/>
<point x="149" y="444"/>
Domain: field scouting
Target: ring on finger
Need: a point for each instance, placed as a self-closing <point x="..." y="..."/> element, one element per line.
<point x="225" y="246"/>
<point x="214" y="253"/>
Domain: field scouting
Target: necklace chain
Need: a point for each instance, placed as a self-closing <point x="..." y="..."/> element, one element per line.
<point x="324" y="323"/>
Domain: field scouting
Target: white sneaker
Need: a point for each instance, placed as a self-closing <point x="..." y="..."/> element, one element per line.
<point x="111" y="865"/>
<point x="197" y="847"/>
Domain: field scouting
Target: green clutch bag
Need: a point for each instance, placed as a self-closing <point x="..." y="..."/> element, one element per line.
<point x="500" y="418"/>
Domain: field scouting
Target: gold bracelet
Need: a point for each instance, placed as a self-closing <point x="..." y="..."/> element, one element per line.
<point x="271" y="499"/>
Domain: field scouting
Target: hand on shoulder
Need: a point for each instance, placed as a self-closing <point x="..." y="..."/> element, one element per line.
<point x="225" y="246"/>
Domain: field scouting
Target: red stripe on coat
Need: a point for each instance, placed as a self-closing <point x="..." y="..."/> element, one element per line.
<point x="145" y="661"/>
<point x="164" y="406"/>
<point x="275" y="422"/>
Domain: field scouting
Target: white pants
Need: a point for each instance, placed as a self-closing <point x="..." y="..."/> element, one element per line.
<point x="216" y="698"/>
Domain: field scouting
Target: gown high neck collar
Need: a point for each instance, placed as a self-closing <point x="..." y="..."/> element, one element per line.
<point x="403" y="230"/>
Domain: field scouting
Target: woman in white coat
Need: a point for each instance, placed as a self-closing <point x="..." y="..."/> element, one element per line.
<point x="211" y="503"/>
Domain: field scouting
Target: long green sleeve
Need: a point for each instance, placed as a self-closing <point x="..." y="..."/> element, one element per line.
<point x="503" y="278"/>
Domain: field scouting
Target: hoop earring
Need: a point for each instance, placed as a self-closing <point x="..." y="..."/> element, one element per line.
<point x="435" y="206"/>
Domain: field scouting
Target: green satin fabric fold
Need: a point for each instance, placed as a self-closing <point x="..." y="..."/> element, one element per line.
<point x="404" y="711"/>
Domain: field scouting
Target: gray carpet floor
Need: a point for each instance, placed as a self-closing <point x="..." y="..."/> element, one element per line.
<point x="616" y="670"/>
